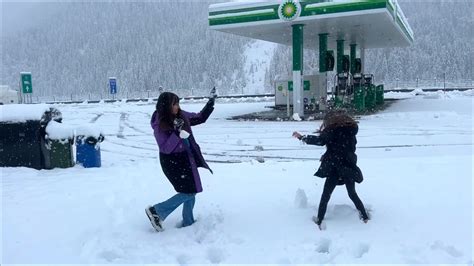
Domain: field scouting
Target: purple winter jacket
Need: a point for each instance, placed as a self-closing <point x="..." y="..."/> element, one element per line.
<point x="178" y="160"/>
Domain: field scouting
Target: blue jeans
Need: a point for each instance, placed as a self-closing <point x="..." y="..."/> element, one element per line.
<point x="167" y="207"/>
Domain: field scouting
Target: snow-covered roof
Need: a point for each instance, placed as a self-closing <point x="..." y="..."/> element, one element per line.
<point x="240" y="3"/>
<point x="5" y="91"/>
<point x="5" y="87"/>
<point x="22" y="112"/>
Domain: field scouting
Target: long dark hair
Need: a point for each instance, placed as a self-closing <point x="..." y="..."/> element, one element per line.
<point x="337" y="118"/>
<point x="163" y="108"/>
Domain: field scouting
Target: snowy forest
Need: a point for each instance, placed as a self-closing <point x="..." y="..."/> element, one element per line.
<point x="144" y="44"/>
<point x="168" y="43"/>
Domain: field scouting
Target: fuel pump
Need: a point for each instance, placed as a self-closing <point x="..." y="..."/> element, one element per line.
<point x="358" y="87"/>
<point x="369" y="88"/>
<point x="343" y="86"/>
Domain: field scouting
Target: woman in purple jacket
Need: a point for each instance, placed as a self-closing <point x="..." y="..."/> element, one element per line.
<point x="180" y="156"/>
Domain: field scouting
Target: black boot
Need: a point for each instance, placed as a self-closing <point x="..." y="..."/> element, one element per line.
<point x="364" y="216"/>
<point x="154" y="218"/>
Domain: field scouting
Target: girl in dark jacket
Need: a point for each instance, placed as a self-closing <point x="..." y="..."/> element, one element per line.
<point x="339" y="162"/>
<point x="180" y="156"/>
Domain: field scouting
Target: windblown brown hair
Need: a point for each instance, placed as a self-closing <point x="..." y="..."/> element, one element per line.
<point x="337" y="118"/>
<point x="163" y="108"/>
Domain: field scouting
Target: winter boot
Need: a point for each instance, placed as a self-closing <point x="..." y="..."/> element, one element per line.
<point x="364" y="217"/>
<point x="154" y="218"/>
<point x="319" y="222"/>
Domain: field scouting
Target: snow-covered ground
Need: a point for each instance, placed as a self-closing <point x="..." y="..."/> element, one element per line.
<point x="417" y="159"/>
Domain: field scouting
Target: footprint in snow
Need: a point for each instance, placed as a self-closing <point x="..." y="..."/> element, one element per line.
<point x="361" y="249"/>
<point x="323" y="246"/>
<point x="215" y="255"/>
<point x="109" y="255"/>
<point x="205" y="227"/>
<point x="183" y="259"/>
<point x="452" y="251"/>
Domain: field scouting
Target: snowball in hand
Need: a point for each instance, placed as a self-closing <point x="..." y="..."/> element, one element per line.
<point x="184" y="134"/>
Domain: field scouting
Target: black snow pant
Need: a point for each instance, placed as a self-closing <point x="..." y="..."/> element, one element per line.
<point x="329" y="187"/>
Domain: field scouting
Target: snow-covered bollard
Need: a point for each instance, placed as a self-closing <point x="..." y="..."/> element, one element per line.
<point x="88" y="141"/>
<point x="296" y="117"/>
<point x="301" y="201"/>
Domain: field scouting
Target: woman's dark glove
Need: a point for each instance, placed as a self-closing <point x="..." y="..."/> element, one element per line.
<point x="212" y="97"/>
<point x="213" y="94"/>
<point x="178" y="124"/>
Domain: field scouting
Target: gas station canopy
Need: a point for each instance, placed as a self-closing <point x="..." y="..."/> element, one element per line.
<point x="367" y="23"/>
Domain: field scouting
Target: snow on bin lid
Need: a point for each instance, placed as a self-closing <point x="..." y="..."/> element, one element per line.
<point x="22" y="112"/>
<point x="88" y="131"/>
<point x="58" y="131"/>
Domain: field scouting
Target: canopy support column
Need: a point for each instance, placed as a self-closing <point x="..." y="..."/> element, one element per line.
<point x="362" y="59"/>
<point x="353" y="58"/>
<point x="298" y="106"/>
<point x="323" y="47"/>
<point x="340" y="54"/>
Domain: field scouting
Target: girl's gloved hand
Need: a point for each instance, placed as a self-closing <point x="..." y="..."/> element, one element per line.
<point x="213" y="94"/>
<point x="297" y="135"/>
<point x="178" y="124"/>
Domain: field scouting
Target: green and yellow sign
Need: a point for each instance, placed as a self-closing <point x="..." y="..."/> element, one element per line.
<point x="289" y="10"/>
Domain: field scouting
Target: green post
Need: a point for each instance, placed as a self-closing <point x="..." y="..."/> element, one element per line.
<point x="297" y="47"/>
<point x="379" y="98"/>
<point x="323" y="47"/>
<point x="340" y="54"/>
<point x="353" y="57"/>
<point x="298" y="106"/>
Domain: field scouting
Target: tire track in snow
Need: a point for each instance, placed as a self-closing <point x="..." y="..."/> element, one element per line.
<point x="94" y="119"/>
<point x="132" y="146"/>
<point x="235" y="157"/>
<point x="134" y="128"/>
<point x="124" y="122"/>
<point x="123" y="117"/>
<point x="359" y="147"/>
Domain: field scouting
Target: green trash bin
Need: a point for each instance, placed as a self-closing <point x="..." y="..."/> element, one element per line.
<point x="370" y="97"/>
<point x="338" y="101"/>
<point x="359" y="98"/>
<point x="59" y="142"/>
<point x="379" y="100"/>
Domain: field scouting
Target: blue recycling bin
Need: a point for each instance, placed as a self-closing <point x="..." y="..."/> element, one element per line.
<point x="88" y="151"/>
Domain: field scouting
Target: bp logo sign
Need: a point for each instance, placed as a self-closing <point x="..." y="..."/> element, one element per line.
<point x="289" y="10"/>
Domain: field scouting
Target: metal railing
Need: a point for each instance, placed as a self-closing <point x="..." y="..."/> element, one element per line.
<point x="437" y="83"/>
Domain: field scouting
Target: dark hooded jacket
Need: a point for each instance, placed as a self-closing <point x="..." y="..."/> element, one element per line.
<point x="339" y="161"/>
<point x="179" y="158"/>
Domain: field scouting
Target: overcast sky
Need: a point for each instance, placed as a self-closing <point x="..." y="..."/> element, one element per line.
<point x="21" y="15"/>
